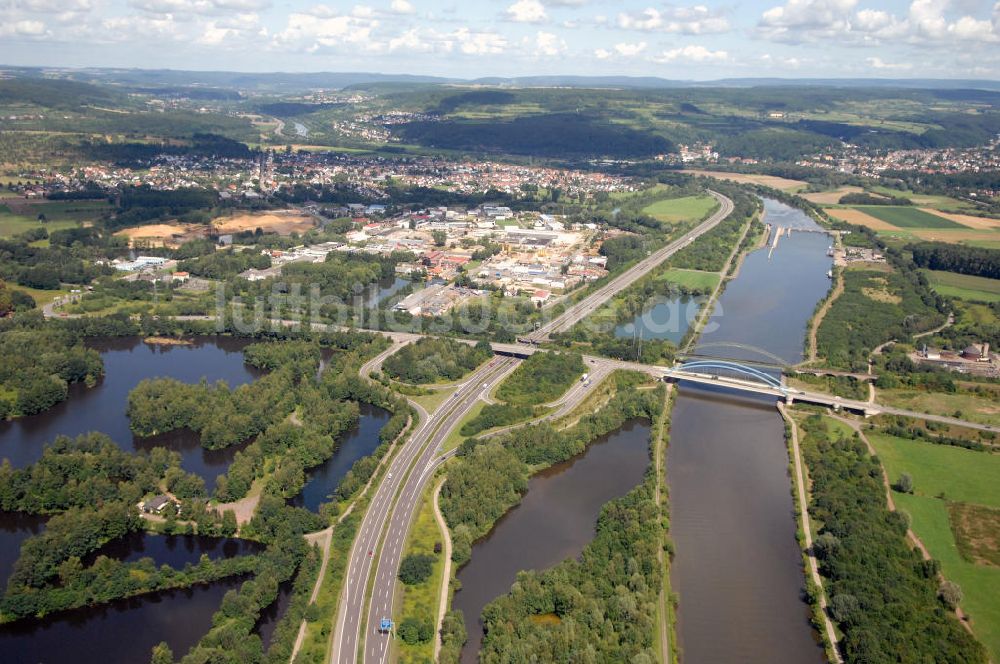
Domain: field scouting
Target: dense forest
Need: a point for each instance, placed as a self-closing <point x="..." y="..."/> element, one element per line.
<point x="877" y="306"/>
<point x="70" y="257"/>
<point x="494" y="473"/>
<point x="38" y="365"/>
<point x="541" y="378"/>
<point x="552" y="135"/>
<point x="710" y="251"/>
<point x="883" y="595"/>
<point x="430" y="360"/>
<point x="963" y="259"/>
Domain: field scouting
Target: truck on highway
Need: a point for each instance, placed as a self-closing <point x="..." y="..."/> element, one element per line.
<point x="584" y="377"/>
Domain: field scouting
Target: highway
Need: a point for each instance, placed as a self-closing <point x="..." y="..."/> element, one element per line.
<point x="379" y="547"/>
<point x="577" y="312"/>
<point x="393" y="505"/>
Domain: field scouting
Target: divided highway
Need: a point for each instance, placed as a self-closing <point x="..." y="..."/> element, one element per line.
<point x="382" y="534"/>
<point x="577" y="312"/>
<point x="393" y="504"/>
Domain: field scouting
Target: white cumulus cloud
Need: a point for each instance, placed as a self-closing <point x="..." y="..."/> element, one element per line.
<point x="26" y="28"/>
<point x="402" y="7"/>
<point x="526" y="11"/>
<point x="697" y="20"/>
<point x="548" y="45"/>
<point x="692" y="54"/>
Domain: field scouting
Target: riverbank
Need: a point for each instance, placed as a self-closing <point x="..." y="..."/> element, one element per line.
<point x="739" y="250"/>
<point x="728" y="468"/>
<point x="816" y="591"/>
<point x="666" y="608"/>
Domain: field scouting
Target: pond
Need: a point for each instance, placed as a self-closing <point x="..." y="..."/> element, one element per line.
<point x="555" y="520"/>
<point x="127" y="361"/>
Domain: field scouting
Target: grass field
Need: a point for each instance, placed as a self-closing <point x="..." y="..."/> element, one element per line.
<point x="980" y="584"/>
<point x="961" y="475"/>
<point x="928" y="200"/>
<point x="907" y="217"/>
<point x="42" y="297"/>
<point x="973" y="408"/>
<point x="16" y="219"/>
<point x="964" y="286"/>
<point x="941" y="474"/>
<point x="676" y="210"/>
<point x="421" y="600"/>
<point x="11" y="224"/>
<point x="694" y="279"/>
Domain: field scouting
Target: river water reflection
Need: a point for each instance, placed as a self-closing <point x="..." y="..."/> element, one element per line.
<point x="555" y="520"/>
<point x="667" y="318"/>
<point x="123" y="632"/>
<point x="359" y="442"/>
<point x="737" y="567"/>
<point x="102" y="408"/>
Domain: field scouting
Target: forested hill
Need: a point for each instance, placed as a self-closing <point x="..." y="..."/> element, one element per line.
<point x="557" y="134"/>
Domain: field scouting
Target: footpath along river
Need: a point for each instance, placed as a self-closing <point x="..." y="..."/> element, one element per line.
<point x="737" y="568"/>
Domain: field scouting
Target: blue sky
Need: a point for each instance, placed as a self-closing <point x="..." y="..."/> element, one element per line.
<point x="701" y="40"/>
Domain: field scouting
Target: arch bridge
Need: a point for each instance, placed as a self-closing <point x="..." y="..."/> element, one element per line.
<point x="754" y="380"/>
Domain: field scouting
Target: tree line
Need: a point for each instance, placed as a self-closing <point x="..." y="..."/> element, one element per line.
<point x="883" y="596"/>
<point x="618" y="574"/>
<point x="963" y="259"/>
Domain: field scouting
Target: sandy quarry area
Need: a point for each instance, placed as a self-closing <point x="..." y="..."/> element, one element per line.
<point x="269" y="222"/>
<point x="170" y="235"/>
<point x="748" y="178"/>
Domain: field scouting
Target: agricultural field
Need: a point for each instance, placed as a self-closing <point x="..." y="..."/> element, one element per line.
<point x="677" y="210"/>
<point x="907" y="217"/>
<point x="911" y="224"/>
<point x="20" y="216"/>
<point x="831" y="197"/>
<point x="964" y="286"/>
<point x="928" y="200"/>
<point x="950" y="483"/>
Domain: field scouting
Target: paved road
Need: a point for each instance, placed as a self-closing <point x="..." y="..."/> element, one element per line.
<point x="393" y="505"/>
<point x="588" y="305"/>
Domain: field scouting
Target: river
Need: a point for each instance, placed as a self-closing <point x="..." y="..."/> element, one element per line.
<point x="555" y="521"/>
<point x="737" y="567"/>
